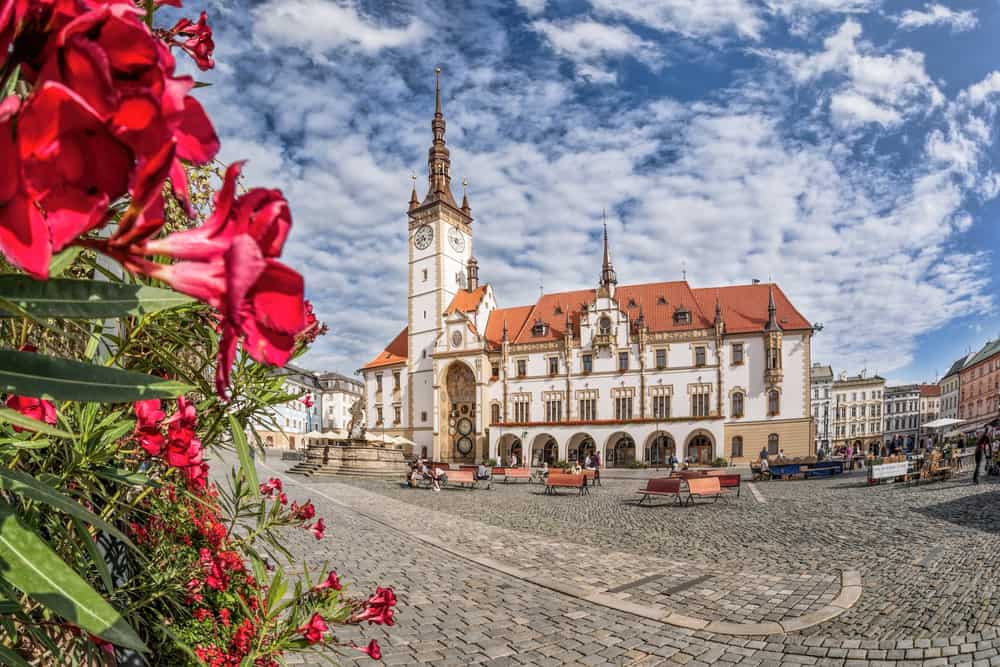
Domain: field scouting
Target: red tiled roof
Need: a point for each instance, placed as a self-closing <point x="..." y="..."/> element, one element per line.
<point x="744" y="307"/>
<point x="929" y="390"/>
<point x="515" y="318"/>
<point x="466" y="301"/>
<point x="394" y="353"/>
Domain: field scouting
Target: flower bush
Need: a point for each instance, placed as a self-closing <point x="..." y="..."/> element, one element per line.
<point x="142" y="302"/>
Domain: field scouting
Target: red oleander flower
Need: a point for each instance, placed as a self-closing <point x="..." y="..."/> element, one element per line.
<point x="198" y="45"/>
<point x="283" y="498"/>
<point x="331" y="581"/>
<point x="36" y="408"/>
<point x="378" y="608"/>
<point x="148" y="420"/>
<point x="201" y="614"/>
<point x="318" y="529"/>
<point x="373" y="651"/>
<point x="307" y="401"/>
<point x="313" y="630"/>
<point x="303" y="512"/>
<point x="224" y="617"/>
<point x="270" y="486"/>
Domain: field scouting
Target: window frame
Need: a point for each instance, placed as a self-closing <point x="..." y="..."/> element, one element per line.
<point x="742" y="354"/>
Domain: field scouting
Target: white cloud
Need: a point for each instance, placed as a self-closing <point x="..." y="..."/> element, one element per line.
<point x="935" y="14"/>
<point x="591" y="45"/>
<point x="692" y="19"/>
<point x="320" y="26"/>
<point x="532" y="7"/>
<point x="873" y="87"/>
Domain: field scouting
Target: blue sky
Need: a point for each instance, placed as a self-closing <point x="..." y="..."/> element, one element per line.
<point x="848" y="148"/>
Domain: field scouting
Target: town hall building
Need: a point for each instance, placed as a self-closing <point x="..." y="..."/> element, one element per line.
<point x="634" y="372"/>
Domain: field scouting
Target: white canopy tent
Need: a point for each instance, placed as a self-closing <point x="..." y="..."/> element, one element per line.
<point x="944" y="422"/>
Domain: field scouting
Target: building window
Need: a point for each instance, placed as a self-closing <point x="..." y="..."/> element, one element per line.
<point x="661" y="358"/>
<point x="661" y="407"/>
<point x="737" y="446"/>
<point x="397" y="414"/>
<point x="588" y="409"/>
<point x="538" y="329"/>
<point x="682" y="316"/>
<point x="699" y="404"/>
<point x="521" y="410"/>
<point x="553" y="365"/>
<point x="773" y="358"/>
<point x="378" y="383"/>
<point x="425" y="275"/>
<point x="522" y="367"/>
<point x="623" y="361"/>
<point x="553" y="411"/>
<point x="495" y="410"/>
<point x="854" y="411"/>
<point x="588" y="363"/>
<point x="423" y="416"/>
<point x="378" y="414"/>
<point x="772" y="444"/>
<point x="699" y="356"/>
<point x="395" y="380"/>
<point x="623" y="408"/>
<point x="738" y="404"/>
<point x="494" y="371"/>
<point x="737" y="353"/>
<point x="605" y="326"/>
<point x="773" y="402"/>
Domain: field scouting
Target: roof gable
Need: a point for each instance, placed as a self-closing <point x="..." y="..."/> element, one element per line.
<point x="395" y="352"/>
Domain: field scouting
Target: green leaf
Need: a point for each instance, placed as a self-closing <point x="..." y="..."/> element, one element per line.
<point x="30" y="564"/>
<point x="86" y="299"/>
<point x="246" y="463"/>
<point x="8" y="657"/>
<point x="8" y="85"/>
<point x="119" y="475"/>
<point x="95" y="555"/>
<point x="30" y="374"/>
<point x="25" y="444"/>
<point x="25" y="485"/>
<point x="63" y="260"/>
<point x="17" y="419"/>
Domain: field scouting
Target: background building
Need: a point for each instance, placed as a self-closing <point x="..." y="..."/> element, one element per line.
<point x="857" y="411"/>
<point x="979" y="390"/>
<point x="930" y="403"/>
<point x="902" y="416"/>
<point x="323" y="404"/>
<point x="338" y="395"/>
<point x="950" y="384"/>
<point x="822" y="388"/>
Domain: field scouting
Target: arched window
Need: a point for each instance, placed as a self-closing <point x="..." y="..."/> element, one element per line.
<point x="495" y="413"/>
<point x="772" y="444"/>
<point x="738" y="404"/>
<point x="773" y="402"/>
<point x="737" y="446"/>
<point x="605" y="325"/>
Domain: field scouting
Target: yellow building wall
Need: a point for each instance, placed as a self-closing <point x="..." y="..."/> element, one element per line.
<point x="795" y="436"/>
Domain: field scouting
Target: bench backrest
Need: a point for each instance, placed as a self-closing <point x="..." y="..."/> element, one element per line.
<point x="690" y="474"/>
<point x="564" y="479"/>
<point x="729" y="481"/>
<point x="589" y="474"/>
<point x="461" y="476"/>
<point x="664" y="485"/>
<point x="704" y="485"/>
<point x="716" y="473"/>
<point x="499" y="471"/>
<point x="517" y="472"/>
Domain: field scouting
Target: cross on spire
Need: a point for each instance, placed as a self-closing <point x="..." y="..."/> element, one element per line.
<point x="438" y="156"/>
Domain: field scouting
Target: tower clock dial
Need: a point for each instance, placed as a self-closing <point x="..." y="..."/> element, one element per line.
<point x="423" y="236"/>
<point x="456" y="239"/>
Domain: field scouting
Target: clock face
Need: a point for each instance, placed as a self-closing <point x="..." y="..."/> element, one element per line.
<point x="464" y="426"/>
<point x="456" y="239"/>
<point x="464" y="446"/>
<point x="423" y="237"/>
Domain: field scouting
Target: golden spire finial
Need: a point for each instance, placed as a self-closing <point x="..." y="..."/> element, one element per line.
<point x="437" y="91"/>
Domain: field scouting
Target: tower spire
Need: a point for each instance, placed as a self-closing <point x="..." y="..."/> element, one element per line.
<point x="608" y="276"/>
<point x="438" y="156"/>
<point x="772" y="310"/>
<point x="414" y="202"/>
<point x="466" y="209"/>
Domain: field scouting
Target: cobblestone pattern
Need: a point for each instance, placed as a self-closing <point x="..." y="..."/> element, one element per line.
<point x="929" y="554"/>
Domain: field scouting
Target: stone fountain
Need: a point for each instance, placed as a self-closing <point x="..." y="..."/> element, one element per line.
<point x="354" y="454"/>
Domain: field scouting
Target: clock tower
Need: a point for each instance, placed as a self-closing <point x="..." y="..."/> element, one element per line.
<point x="440" y="246"/>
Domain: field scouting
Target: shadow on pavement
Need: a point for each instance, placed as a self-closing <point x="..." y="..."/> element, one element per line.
<point x="977" y="511"/>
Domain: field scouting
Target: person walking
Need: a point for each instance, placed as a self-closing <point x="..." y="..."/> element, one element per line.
<point x="983" y="443"/>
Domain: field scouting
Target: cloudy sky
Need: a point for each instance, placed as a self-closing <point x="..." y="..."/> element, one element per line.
<point x="848" y="148"/>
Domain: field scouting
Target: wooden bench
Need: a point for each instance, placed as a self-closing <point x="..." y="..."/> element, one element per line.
<point x="703" y="488"/>
<point x="662" y="486"/>
<point x="462" y="478"/>
<point x="556" y="480"/>
<point x="729" y="481"/>
<point x="515" y="474"/>
<point x="593" y="476"/>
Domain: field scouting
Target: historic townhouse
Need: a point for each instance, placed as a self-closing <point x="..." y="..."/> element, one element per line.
<point x="979" y="390"/>
<point x="949" y="385"/>
<point x="857" y="411"/>
<point x="636" y="372"/>
<point x="821" y="378"/>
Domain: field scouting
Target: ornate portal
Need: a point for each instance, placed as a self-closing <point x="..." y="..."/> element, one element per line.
<point x="460" y="383"/>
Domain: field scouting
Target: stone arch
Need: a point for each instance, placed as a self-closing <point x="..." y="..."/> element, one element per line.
<point x="579" y="446"/>
<point x="619" y="450"/>
<point x="699" y="447"/>
<point x="458" y="412"/>
<point x="544" y="449"/>
<point x="659" y="446"/>
<point x="508" y="445"/>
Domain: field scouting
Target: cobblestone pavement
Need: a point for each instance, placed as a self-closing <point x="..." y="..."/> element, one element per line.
<point x="453" y="611"/>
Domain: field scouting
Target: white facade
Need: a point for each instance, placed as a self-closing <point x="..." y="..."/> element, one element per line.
<point x="857" y="411"/>
<point x="338" y="395"/>
<point x="822" y="388"/>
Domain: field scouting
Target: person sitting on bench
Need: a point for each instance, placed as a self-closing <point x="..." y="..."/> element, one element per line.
<point x="576" y="470"/>
<point x="545" y="470"/>
<point x="482" y="472"/>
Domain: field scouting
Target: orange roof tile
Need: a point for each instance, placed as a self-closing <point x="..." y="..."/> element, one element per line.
<point x="930" y="390"/>
<point x="744" y="307"/>
<point x="515" y="318"/>
<point x="466" y="300"/>
<point x="394" y="353"/>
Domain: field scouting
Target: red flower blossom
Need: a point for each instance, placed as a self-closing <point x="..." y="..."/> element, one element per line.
<point x="304" y="512"/>
<point x="307" y="401"/>
<point x="373" y="651"/>
<point x="198" y="45"/>
<point x="314" y="629"/>
<point x="201" y="614"/>
<point x="270" y="486"/>
<point x="378" y="608"/>
<point x="148" y="418"/>
<point x="317" y="529"/>
<point x="36" y="408"/>
<point x="331" y="581"/>
<point x="224" y="617"/>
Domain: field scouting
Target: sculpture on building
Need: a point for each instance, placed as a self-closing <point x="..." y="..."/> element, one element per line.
<point x="356" y="427"/>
